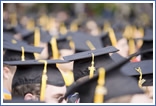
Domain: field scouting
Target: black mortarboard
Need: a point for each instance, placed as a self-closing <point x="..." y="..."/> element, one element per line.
<point x="63" y="42"/>
<point x="116" y="57"/>
<point x="106" y="41"/>
<point x="16" y="51"/>
<point x="116" y="83"/>
<point x="30" y="72"/>
<point x="83" y="60"/>
<point x="146" y="67"/>
<point x="37" y="72"/>
<point x="85" y="42"/>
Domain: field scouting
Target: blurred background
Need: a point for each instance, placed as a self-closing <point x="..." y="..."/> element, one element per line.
<point x="139" y="14"/>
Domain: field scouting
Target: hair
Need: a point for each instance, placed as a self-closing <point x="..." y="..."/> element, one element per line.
<point x="12" y="68"/>
<point x="22" y="90"/>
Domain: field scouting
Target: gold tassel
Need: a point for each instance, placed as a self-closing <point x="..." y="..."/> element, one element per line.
<point x="63" y="29"/>
<point x="131" y="46"/>
<point x="90" y="45"/>
<point x="71" y="43"/>
<point x="44" y="80"/>
<point x="30" y="25"/>
<point x="7" y="96"/>
<point x="141" y="81"/>
<point x="13" y="19"/>
<point x="112" y="37"/>
<point x="73" y="27"/>
<point x="13" y="41"/>
<point x="106" y="27"/>
<point x="22" y="57"/>
<point x="91" y="68"/>
<point x="100" y="90"/>
<point x="54" y="48"/>
<point x="36" y="40"/>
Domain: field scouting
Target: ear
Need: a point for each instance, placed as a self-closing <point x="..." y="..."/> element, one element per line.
<point x="28" y="96"/>
<point x="6" y="72"/>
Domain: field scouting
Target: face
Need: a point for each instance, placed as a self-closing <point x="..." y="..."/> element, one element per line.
<point x="54" y="93"/>
<point x="122" y="45"/>
<point x="8" y="73"/>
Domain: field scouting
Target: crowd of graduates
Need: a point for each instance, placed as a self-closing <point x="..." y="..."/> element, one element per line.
<point x="54" y="58"/>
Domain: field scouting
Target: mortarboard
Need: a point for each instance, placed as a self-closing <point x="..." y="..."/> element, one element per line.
<point x="145" y="69"/>
<point x="37" y="72"/>
<point x="116" y="57"/>
<point x="83" y="60"/>
<point x="115" y="84"/>
<point x="19" y="51"/>
<point x="85" y="42"/>
<point x="110" y="38"/>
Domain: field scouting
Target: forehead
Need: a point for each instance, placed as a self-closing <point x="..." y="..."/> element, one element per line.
<point x="54" y="90"/>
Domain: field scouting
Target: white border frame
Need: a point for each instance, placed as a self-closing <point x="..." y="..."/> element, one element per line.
<point x="78" y="2"/>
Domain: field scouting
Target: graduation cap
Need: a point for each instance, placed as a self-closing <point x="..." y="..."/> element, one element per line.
<point x="90" y="60"/>
<point x="16" y="51"/>
<point x="110" y="38"/>
<point x="85" y="42"/>
<point x="60" y="42"/>
<point x="142" y="70"/>
<point x="147" y="44"/>
<point x="111" y="83"/>
<point x="37" y="72"/>
<point x="116" y="57"/>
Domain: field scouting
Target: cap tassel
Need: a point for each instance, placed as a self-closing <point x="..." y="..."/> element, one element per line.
<point x="36" y="40"/>
<point x="63" y="29"/>
<point x="30" y="25"/>
<point x="73" y="27"/>
<point x="112" y="37"/>
<point x="44" y="80"/>
<point x="100" y="90"/>
<point x="91" y="68"/>
<point x="13" y="19"/>
<point x="71" y="43"/>
<point x="131" y="46"/>
<point x="22" y="57"/>
<point x="54" y="48"/>
<point x="90" y="45"/>
<point x="141" y="81"/>
<point x="13" y="41"/>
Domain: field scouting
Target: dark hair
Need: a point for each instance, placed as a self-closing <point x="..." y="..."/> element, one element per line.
<point x="22" y="90"/>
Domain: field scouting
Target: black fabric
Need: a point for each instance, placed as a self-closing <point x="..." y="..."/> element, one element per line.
<point x="11" y="55"/>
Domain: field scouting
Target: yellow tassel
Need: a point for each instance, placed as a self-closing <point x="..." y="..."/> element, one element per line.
<point x="22" y="57"/>
<point x="71" y="43"/>
<point x="131" y="46"/>
<point x="36" y="40"/>
<point x="54" y="48"/>
<point x="6" y="96"/>
<point x="91" y="68"/>
<point x="30" y="25"/>
<point x="73" y="27"/>
<point x="68" y="77"/>
<point x="13" y="18"/>
<point x="141" y="81"/>
<point x="63" y="29"/>
<point x="106" y="27"/>
<point x="44" y="80"/>
<point x="13" y="41"/>
<point x="90" y="45"/>
<point x="100" y="90"/>
<point x="112" y="37"/>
